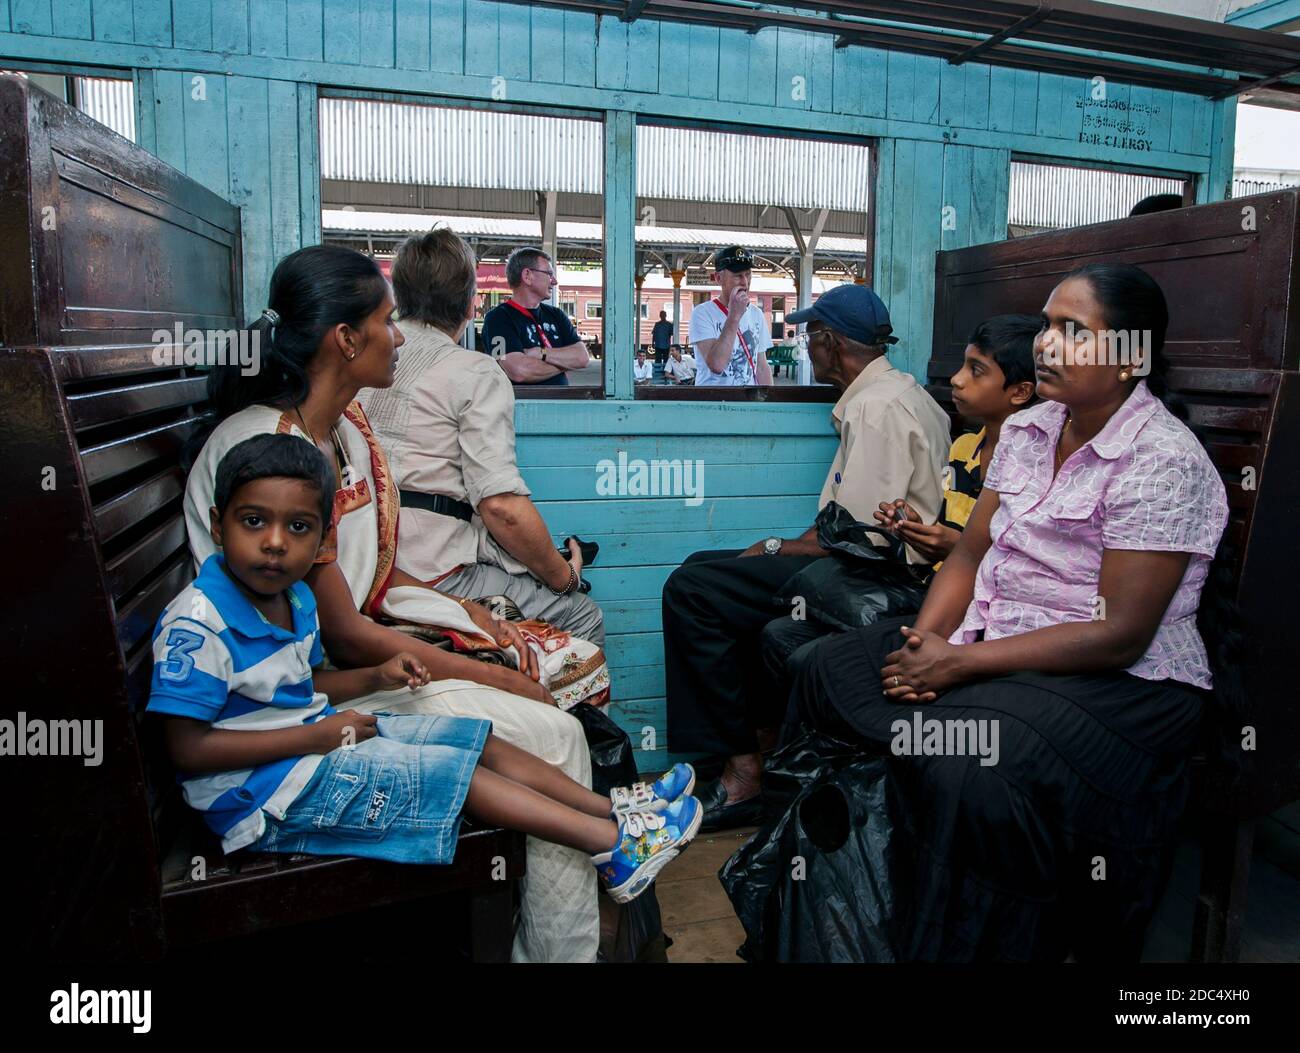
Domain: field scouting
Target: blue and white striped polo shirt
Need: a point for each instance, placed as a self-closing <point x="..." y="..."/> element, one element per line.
<point x="216" y="659"/>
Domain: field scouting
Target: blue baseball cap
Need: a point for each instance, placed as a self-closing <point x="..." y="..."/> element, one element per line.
<point x="852" y="310"/>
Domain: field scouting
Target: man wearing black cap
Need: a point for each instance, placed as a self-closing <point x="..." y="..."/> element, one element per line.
<point x="894" y="440"/>
<point x="729" y="333"/>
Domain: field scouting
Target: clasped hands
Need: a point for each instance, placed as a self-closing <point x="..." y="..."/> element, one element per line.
<point x="921" y="669"/>
<point x="506" y="635"/>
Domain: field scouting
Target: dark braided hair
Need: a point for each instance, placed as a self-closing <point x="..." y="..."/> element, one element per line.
<point x="312" y="290"/>
<point x="1131" y="300"/>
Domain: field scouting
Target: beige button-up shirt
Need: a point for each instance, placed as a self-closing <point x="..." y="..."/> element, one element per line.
<point x="894" y="441"/>
<point x="448" y="427"/>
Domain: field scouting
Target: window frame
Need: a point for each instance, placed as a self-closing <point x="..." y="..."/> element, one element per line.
<point x="812" y="393"/>
<point x="597" y="116"/>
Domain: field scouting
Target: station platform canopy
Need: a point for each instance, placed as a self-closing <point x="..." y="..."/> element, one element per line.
<point x="379" y="233"/>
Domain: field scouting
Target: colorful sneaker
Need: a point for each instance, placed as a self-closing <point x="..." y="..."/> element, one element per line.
<point x="677" y="782"/>
<point x="647" y="842"/>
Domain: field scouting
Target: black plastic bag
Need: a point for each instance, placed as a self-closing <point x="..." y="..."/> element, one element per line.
<point x="632" y="932"/>
<point x="612" y="761"/>
<point x="861" y="583"/>
<point x="817" y="882"/>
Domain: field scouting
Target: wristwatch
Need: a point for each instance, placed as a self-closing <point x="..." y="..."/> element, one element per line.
<point x="772" y="545"/>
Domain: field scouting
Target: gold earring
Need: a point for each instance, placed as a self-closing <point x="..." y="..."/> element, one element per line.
<point x="354" y="355"/>
<point x="1123" y="374"/>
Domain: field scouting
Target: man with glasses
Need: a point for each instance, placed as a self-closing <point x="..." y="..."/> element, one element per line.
<point x="893" y="440"/>
<point x="729" y="333"/>
<point x="534" y="342"/>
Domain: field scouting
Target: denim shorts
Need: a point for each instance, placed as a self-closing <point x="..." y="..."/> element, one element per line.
<point x="397" y="796"/>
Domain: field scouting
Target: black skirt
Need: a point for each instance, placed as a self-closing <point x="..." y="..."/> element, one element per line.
<point x="1060" y="844"/>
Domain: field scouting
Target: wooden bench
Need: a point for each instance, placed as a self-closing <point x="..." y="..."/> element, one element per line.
<point x="1228" y="273"/>
<point x="109" y="862"/>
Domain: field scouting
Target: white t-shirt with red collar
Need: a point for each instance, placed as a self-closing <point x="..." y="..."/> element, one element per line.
<point x="707" y="321"/>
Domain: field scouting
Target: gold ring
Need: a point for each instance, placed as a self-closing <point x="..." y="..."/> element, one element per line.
<point x="896" y="681"/>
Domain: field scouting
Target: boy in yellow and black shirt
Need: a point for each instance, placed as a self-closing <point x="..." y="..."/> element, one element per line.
<point x="996" y="380"/>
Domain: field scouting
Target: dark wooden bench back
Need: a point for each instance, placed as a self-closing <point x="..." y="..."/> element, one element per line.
<point x="93" y="417"/>
<point x="1228" y="271"/>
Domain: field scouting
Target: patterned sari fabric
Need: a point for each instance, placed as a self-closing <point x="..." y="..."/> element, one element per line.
<point x="574" y="670"/>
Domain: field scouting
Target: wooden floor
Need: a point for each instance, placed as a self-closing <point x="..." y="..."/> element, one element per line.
<point x="698" y="917"/>
<point x="697" y="914"/>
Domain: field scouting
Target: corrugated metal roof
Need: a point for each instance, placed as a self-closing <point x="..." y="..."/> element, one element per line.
<point x="110" y="101"/>
<point x="1246" y="187"/>
<point x="1044" y="195"/>
<point x="348" y="221"/>
<point x="386" y="142"/>
<point x="693" y="164"/>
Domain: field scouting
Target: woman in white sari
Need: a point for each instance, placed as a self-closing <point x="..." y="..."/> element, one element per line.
<point x="328" y="333"/>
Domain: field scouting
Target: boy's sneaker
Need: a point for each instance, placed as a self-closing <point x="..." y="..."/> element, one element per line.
<point x="655" y="796"/>
<point x="647" y="842"/>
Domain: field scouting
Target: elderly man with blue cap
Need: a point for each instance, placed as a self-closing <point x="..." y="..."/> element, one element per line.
<point x="894" y="438"/>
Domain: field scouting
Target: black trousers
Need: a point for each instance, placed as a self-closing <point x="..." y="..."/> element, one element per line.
<point x="788" y="645"/>
<point x="1003" y="852"/>
<point x="719" y="690"/>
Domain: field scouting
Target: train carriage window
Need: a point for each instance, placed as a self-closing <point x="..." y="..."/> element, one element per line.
<point x="1044" y="196"/>
<point x="793" y="211"/>
<point x="109" y="100"/>
<point x="505" y="180"/>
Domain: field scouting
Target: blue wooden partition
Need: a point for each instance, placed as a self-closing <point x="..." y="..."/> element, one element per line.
<point x="226" y="92"/>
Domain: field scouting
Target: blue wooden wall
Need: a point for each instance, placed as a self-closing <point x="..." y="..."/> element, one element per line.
<point x="226" y="92"/>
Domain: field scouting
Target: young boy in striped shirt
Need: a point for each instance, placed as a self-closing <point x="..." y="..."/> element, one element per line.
<point x="272" y="766"/>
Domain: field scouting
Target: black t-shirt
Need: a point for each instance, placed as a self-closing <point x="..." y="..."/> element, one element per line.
<point x="662" y="334"/>
<point x="507" y="329"/>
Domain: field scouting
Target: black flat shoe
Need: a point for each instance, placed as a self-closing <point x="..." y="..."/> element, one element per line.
<point x="719" y="815"/>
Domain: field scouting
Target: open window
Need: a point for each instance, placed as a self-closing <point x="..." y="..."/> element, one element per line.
<point x="109" y="100"/>
<point x="505" y="180"/>
<point x="1049" y="196"/>
<point x="799" y="208"/>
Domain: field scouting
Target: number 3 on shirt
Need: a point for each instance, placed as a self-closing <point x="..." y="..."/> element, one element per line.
<point x="181" y="644"/>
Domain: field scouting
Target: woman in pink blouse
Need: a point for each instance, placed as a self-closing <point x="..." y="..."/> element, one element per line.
<point x="1065" y="625"/>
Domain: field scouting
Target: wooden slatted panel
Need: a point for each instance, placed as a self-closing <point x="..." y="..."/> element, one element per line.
<point x="138" y="503"/>
<point x="126" y="571"/>
<point x="120" y="456"/>
<point x="135" y="622"/>
<point x="103" y="407"/>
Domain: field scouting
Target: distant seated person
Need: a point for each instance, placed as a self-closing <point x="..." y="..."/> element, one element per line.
<point x="680" y="369"/>
<point x="643" y="370"/>
<point x="534" y="342"/>
<point x="729" y="333"/>
<point x="448" y="425"/>
<point x="1156" y="203"/>
<point x="996" y="380"/>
